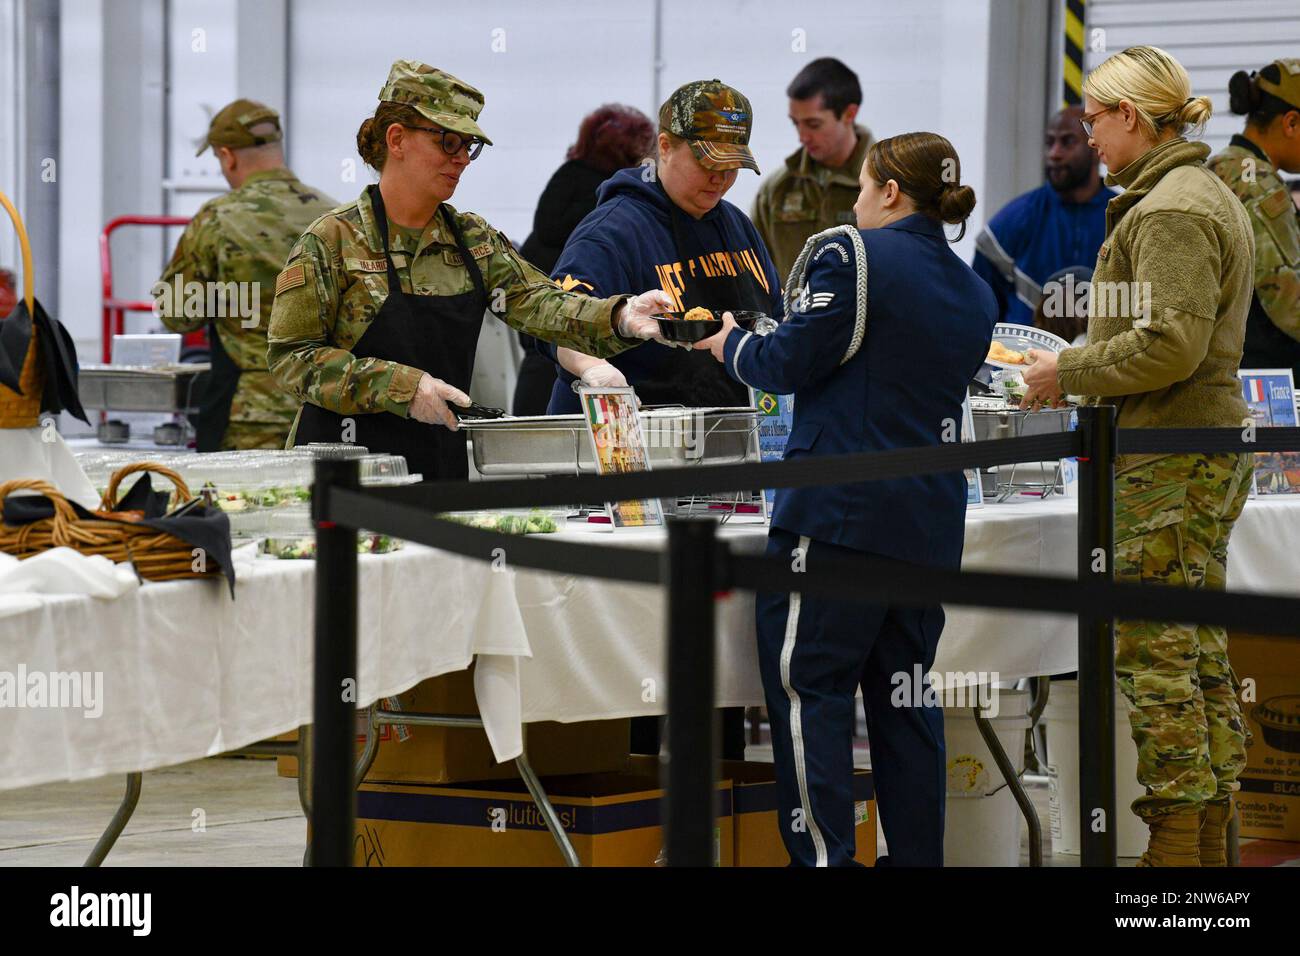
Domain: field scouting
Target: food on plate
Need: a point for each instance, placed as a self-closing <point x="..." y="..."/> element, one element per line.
<point x="698" y="314"/>
<point x="1000" y="353"/>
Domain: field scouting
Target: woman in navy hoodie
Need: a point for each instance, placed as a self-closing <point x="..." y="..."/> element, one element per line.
<point x="887" y="328"/>
<point x="667" y="225"/>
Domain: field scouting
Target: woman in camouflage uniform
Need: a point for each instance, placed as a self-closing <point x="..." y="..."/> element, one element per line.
<point x="377" y="313"/>
<point x="1270" y="101"/>
<point x="1167" y="314"/>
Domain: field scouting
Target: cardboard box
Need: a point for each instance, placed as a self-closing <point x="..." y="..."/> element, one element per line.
<point x="758" y="840"/>
<point x="612" y="819"/>
<point x="435" y="755"/>
<point x="1269" y="799"/>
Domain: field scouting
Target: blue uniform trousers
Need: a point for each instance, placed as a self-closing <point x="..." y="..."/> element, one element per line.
<point x="813" y="654"/>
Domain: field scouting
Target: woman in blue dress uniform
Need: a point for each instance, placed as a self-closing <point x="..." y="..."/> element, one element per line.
<point x="885" y="329"/>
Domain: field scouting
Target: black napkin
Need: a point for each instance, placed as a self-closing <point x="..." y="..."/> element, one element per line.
<point x="57" y="351"/>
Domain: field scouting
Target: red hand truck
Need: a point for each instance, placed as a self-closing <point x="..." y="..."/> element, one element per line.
<point x="115" y="309"/>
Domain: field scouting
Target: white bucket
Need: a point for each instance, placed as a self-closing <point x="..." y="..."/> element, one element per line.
<point x="1061" y="717"/>
<point x="983" y="822"/>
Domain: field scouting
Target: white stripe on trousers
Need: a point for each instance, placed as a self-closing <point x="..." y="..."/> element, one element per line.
<point x="796" y="717"/>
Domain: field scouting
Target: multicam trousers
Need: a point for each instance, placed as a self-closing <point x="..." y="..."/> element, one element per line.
<point x="1173" y="517"/>
<point x="245" y="435"/>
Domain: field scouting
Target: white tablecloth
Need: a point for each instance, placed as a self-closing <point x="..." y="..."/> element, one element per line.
<point x="187" y="672"/>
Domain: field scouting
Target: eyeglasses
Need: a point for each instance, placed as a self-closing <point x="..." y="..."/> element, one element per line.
<point x="1090" y="118"/>
<point x="451" y="142"/>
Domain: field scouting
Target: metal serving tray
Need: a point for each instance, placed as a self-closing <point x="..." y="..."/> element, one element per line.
<point x="994" y="419"/>
<point x="559" y="445"/>
<point x="129" y="388"/>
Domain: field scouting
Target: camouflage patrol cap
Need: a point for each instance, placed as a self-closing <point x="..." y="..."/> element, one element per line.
<point x="715" y="119"/>
<point x="1288" y="87"/>
<point x="437" y="96"/>
<point x="233" y="123"/>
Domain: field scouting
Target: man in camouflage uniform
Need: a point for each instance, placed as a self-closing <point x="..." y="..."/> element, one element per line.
<point x="336" y="283"/>
<point x="1273" y="325"/>
<point x="818" y="185"/>
<point x="235" y="246"/>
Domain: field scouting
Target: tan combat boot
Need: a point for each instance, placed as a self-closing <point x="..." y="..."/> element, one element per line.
<point x="1214" y="832"/>
<point x="1174" y="839"/>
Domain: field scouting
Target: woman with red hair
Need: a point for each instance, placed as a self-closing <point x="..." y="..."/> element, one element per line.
<point x="610" y="138"/>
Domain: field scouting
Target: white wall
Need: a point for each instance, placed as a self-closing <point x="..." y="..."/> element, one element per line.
<point x="562" y="59"/>
<point x="127" y="139"/>
<point x="1211" y="38"/>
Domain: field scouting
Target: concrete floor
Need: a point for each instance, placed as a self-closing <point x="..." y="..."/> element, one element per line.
<point x="251" y="817"/>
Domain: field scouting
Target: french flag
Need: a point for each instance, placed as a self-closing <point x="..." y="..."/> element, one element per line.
<point x="1255" y="386"/>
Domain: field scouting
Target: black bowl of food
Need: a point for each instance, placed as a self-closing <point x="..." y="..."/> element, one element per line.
<point x="693" y="325"/>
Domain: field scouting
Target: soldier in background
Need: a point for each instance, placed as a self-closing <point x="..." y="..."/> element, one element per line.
<point x="819" y="184"/>
<point x="1270" y="101"/>
<point x="234" y="248"/>
<point x="1060" y="224"/>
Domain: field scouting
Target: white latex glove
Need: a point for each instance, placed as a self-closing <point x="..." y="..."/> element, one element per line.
<point x="603" y="375"/>
<point x="634" y="316"/>
<point x="430" y="402"/>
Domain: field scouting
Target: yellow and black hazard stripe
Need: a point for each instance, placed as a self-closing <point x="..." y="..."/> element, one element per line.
<point x="1072" y="61"/>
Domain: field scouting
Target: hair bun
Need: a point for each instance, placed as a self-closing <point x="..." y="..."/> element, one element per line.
<point x="1243" y="95"/>
<point x="956" y="203"/>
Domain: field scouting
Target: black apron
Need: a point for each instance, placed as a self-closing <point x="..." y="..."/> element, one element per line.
<point x="697" y="379"/>
<point x="435" y="333"/>
<point x="216" y="392"/>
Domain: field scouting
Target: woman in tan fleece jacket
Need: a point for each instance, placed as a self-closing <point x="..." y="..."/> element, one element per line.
<point x="1169" y="300"/>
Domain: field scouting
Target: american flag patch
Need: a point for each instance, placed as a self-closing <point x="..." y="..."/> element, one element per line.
<point x="290" y="278"/>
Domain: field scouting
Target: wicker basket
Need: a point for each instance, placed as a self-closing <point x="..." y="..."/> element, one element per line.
<point x="24" y="411"/>
<point x="117" y="535"/>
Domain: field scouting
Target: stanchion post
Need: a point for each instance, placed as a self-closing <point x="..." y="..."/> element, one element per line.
<point x="334" y="692"/>
<point x="1097" y="822"/>
<point x="691" y="794"/>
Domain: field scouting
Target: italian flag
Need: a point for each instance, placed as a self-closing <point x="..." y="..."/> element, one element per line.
<point x="598" y="409"/>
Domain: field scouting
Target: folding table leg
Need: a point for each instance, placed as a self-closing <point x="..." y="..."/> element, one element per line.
<point x="1017" y="788"/>
<point x="547" y="811"/>
<point x="134" y="781"/>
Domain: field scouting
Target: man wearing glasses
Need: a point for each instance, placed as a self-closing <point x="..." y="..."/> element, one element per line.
<point x="1060" y="224"/>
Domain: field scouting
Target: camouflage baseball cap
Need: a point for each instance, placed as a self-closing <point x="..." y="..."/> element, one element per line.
<point x="1288" y="87"/>
<point x="715" y="119"/>
<point x="437" y="96"/>
<point x="233" y="123"/>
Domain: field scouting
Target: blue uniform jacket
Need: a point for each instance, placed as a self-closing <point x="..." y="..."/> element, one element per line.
<point x="1032" y="237"/>
<point x="929" y="323"/>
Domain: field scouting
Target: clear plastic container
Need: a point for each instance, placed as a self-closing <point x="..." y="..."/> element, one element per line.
<point x="335" y="450"/>
<point x="512" y="521"/>
<point x="383" y="469"/>
<point x="303" y="546"/>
